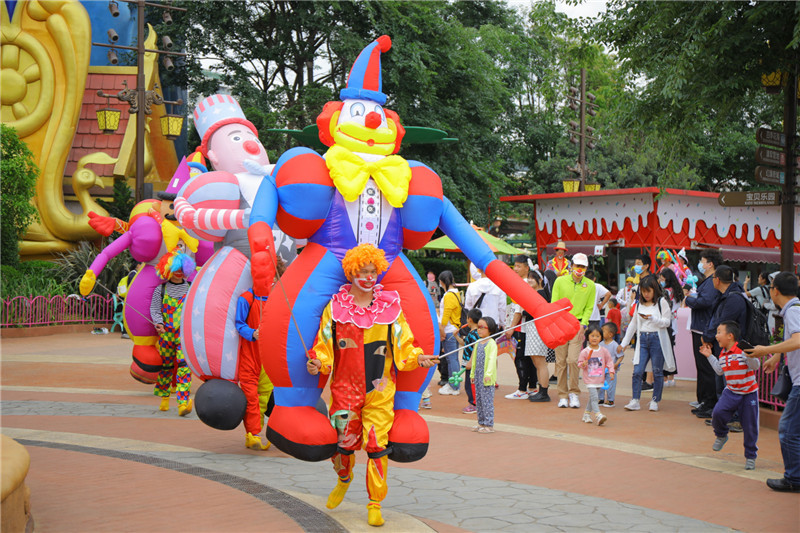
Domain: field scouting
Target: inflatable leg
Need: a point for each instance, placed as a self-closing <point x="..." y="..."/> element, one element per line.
<point x="409" y="436"/>
<point x="136" y="314"/>
<point x="295" y="425"/>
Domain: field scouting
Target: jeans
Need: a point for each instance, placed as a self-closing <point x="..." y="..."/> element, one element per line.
<point x="649" y="350"/>
<point x="611" y="393"/>
<point x="453" y="365"/>
<point x="789" y="436"/>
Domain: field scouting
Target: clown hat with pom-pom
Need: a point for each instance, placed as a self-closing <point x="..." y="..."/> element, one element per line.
<point x="365" y="81"/>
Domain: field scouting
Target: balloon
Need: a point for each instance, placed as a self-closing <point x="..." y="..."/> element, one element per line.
<point x="220" y="404"/>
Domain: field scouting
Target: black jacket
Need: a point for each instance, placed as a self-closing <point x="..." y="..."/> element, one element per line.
<point x="729" y="306"/>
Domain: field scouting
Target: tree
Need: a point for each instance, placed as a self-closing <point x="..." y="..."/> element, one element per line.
<point x="17" y="187"/>
<point x="699" y="68"/>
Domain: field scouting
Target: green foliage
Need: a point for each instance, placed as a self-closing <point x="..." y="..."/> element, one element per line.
<point x="123" y="202"/>
<point x="72" y="265"/>
<point x="459" y="267"/>
<point x="31" y="278"/>
<point x="17" y="187"/>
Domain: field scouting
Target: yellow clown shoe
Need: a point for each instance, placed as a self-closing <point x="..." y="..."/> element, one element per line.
<point x="374" y="517"/>
<point x="254" y="442"/>
<point x="164" y="404"/>
<point x="338" y="492"/>
<point x="185" y="408"/>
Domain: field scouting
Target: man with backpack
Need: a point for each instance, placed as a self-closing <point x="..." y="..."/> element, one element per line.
<point x="732" y="305"/>
<point x="783" y="291"/>
<point x="483" y="294"/>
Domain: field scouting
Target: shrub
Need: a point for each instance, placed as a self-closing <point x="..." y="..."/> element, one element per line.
<point x="31" y="278"/>
<point x="17" y="188"/>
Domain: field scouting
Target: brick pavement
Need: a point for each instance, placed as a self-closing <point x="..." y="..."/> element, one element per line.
<point x="88" y="426"/>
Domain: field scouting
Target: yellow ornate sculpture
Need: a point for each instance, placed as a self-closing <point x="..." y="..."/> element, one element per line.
<point x="45" y="60"/>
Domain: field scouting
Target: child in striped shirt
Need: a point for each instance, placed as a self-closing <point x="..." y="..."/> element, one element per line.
<point x="740" y="394"/>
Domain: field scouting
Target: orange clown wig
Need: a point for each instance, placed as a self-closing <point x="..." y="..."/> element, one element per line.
<point x="357" y="258"/>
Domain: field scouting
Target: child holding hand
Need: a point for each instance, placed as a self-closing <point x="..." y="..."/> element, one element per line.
<point x="593" y="361"/>
<point x="484" y="374"/>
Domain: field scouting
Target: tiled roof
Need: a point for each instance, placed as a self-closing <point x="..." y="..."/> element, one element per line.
<point x="88" y="138"/>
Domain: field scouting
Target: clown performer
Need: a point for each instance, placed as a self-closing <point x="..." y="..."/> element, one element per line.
<point x="559" y="264"/>
<point x="253" y="381"/>
<point x="149" y="233"/>
<point x="670" y="261"/>
<point x="364" y="341"/>
<point x="360" y="193"/>
<point x="166" y="307"/>
<point x="215" y="206"/>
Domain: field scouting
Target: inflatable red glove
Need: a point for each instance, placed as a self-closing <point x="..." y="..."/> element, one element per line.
<point x="262" y="260"/>
<point x="102" y="225"/>
<point x="554" y="323"/>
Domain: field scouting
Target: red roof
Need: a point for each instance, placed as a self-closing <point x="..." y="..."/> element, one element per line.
<point x="88" y="138"/>
<point x="531" y="198"/>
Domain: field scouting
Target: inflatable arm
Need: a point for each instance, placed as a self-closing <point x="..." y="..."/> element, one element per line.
<point x="554" y="323"/>
<point x="209" y="204"/>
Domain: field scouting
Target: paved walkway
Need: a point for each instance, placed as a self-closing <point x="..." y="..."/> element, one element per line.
<point x="104" y="458"/>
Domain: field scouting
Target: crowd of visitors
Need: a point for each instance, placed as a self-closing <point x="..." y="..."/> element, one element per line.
<point x="641" y="315"/>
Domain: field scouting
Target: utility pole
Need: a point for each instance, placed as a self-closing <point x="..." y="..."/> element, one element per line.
<point x="579" y="133"/>
<point x="789" y="201"/>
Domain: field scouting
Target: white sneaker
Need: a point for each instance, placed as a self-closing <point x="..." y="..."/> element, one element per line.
<point x="587" y="417"/>
<point x="694" y="405"/>
<point x="601" y="418"/>
<point x="633" y="405"/>
<point x="563" y="402"/>
<point x="517" y="395"/>
<point x="447" y="390"/>
<point x="574" y="401"/>
<point x="653" y="405"/>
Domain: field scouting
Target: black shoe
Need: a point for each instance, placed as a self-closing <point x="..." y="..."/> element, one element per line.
<point x="647" y="386"/>
<point x="703" y="414"/>
<point x="553" y="379"/>
<point x="541" y="396"/>
<point x="781" y="485"/>
<point x="443" y="382"/>
<point x="697" y="410"/>
<point x="600" y="402"/>
<point x="708" y="421"/>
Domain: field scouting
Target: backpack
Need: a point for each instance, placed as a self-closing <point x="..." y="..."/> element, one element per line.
<point x="464" y="328"/>
<point x="757" y="332"/>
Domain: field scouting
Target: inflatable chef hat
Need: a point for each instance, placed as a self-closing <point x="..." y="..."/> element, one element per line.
<point x="365" y="81"/>
<point x="214" y="112"/>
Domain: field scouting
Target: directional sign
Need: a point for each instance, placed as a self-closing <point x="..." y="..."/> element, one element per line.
<point x="769" y="175"/>
<point x="749" y="199"/>
<point x="768" y="156"/>
<point x="770" y="137"/>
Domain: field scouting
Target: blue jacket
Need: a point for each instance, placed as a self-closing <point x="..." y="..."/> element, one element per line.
<point x="702" y="304"/>
<point x="730" y="306"/>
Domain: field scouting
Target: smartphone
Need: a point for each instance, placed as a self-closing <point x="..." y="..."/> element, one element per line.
<point x="744" y="345"/>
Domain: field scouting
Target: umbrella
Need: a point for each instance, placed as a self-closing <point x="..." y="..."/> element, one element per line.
<point x="498" y="246"/>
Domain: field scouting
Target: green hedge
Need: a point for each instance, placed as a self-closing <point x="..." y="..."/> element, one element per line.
<point x="32" y="278"/>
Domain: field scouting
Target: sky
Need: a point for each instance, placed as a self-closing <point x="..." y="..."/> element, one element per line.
<point x="587" y="8"/>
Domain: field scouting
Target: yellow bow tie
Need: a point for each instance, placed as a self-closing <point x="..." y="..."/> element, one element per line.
<point x="173" y="233"/>
<point x="350" y="174"/>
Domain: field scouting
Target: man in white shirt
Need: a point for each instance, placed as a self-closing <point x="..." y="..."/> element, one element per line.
<point x="492" y="299"/>
<point x="601" y="297"/>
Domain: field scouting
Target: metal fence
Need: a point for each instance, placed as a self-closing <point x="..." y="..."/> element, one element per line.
<point x="765" y="383"/>
<point x="24" y="311"/>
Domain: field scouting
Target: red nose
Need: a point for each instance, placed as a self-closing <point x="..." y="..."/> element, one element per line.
<point x="372" y="120"/>
<point x="251" y="147"/>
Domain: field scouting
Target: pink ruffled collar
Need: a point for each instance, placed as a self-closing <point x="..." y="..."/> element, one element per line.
<point x="384" y="309"/>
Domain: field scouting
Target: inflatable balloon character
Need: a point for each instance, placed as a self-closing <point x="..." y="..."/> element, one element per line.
<point x="215" y="206"/>
<point x="672" y="262"/>
<point x="360" y="192"/>
<point x="149" y="234"/>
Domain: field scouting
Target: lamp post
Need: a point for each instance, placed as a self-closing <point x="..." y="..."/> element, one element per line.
<point x="140" y="99"/>
<point x="579" y="132"/>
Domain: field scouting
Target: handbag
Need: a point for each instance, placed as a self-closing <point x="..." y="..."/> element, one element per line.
<point x="783" y="385"/>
